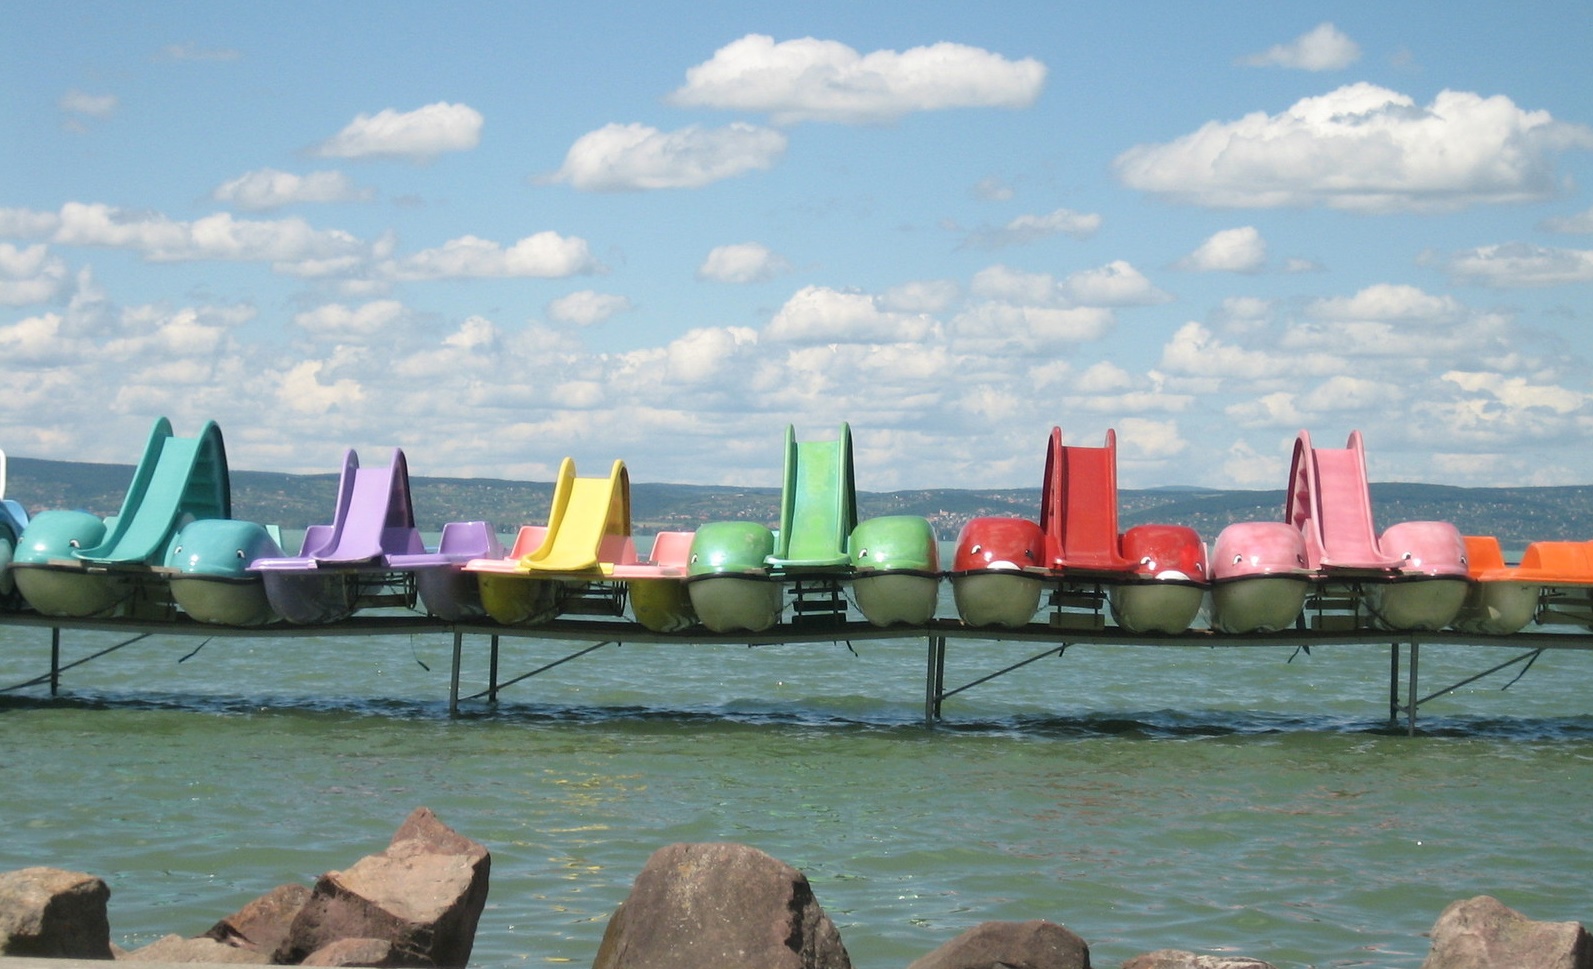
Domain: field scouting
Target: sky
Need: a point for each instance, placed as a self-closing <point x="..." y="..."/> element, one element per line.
<point x="498" y="234"/>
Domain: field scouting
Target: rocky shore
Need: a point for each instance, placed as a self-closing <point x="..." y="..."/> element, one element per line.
<point x="693" y="906"/>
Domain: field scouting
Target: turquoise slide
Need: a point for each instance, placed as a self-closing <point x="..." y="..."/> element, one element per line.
<point x="178" y="480"/>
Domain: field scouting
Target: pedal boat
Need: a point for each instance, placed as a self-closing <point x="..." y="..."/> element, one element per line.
<point x="1553" y="584"/>
<point x="446" y="591"/>
<point x="13" y="520"/>
<point x="1167" y="588"/>
<point x="1430" y="583"/>
<point x="508" y="594"/>
<point x="728" y="578"/>
<point x="656" y="586"/>
<point x="1259" y="577"/>
<point x="996" y="575"/>
<point x="174" y="522"/>
<point x="347" y="565"/>
<point x="895" y="570"/>
<point x="211" y="581"/>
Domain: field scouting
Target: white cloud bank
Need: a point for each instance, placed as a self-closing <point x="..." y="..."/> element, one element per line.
<point x="824" y="80"/>
<point x="1240" y="250"/>
<point x="1322" y="48"/>
<point x="419" y="135"/>
<point x="1364" y="148"/>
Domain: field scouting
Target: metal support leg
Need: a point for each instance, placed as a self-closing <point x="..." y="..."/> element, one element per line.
<point x="1393" y="685"/>
<point x="934" y="679"/>
<point x="1412" y="703"/>
<point x="55" y="660"/>
<point x="492" y="672"/>
<point x="453" y="683"/>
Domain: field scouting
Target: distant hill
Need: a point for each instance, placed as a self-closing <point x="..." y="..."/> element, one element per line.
<point x="1516" y="515"/>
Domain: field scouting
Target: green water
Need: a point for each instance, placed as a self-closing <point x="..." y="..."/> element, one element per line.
<point x="1249" y="801"/>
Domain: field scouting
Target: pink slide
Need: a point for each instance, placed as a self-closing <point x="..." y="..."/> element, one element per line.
<point x="1330" y="502"/>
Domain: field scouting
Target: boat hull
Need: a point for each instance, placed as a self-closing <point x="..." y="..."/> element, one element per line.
<point x="223" y="601"/>
<point x="735" y="603"/>
<point x="662" y="605"/>
<point x="896" y="598"/>
<point x="1419" y="604"/>
<point x="311" y="598"/>
<point x="1257" y="603"/>
<point x="1156" y="605"/>
<point x="516" y="600"/>
<point x="1498" y="608"/>
<point x="997" y="597"/>
<point x="450" y="593"/>
<point x="71" y="591"/>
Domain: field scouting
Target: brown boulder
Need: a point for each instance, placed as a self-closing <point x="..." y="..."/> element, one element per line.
<point x="263" y="923"/>
<point x="175" y="948"/>
<point x="1178" y="959"/>
<point x="50" y="913"/>
<point x="1036" y="944"/>
<point x="354" y="952"/>
<point x="1483" y="933"/>
<point x="697" y="905"/>
<point x="424" y="894"/>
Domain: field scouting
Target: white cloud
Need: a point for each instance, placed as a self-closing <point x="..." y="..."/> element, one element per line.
<point x="1516" y="264"/>
<point x="1518" y="392"/>
<point x="743" y="262"/>
<point x="818" y="314"/>
<point x="193" y="52"/>
<point x="337" y="321"/>
<point x="587" y="307"/>
<point x="159" y="239"/>
<point x="1000" y="329"/>
<point x="301" y="390"/>
<point x="545" y="255"/>
<point x="89" y="105"/>
<point x="1322" y="48"/>
<point x="1581" y="222"/>
<point x="632" y="157"/>
<point x="921" y="296"/>
<point x="1115" y="284"/>
<point x="1388" y="302"/>
<point x="268" y="188"/>
<point x="825" y="80"/>
<point x="1026" y="229"/>
<point x="419" y="135"/>
<point x="30" y="275"/>
<point x="1240" y="250"/>
<point x="1364" y="148"/>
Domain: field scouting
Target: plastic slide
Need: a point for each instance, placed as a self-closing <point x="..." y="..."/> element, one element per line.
<point x="818" y="504"/>
<point x="375" y="516"/>
<point x="1330" y="502"/>
<point x="177" y="479"/>
<point x="589" y="526"/>
<point x="1078" y="507"/>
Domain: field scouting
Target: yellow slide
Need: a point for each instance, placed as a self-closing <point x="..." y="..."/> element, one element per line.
<point x="589" y="527"/>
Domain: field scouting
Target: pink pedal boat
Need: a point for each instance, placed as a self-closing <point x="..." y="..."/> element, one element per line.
<point x="1411" y="577"/>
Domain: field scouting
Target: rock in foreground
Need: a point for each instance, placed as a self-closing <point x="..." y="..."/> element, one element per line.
<point x="423" y="895"/>
<point x="1036" y="944"/>
<point x="1484" y="933"/>
<point x="698" y="905"/>
<point x="50" y="913"/>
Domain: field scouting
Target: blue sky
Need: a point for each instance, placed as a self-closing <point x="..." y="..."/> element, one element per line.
<point x="497" y="234"/>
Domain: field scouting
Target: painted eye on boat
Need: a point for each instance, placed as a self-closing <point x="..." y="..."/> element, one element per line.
<point x="1238" y="559"/>
<point x="863" y="554"/>
<point x="1148" y="562"/>
<point x="74" y="544"/>
<point x="977" y="549"/>
<point x="239" y="553"/>
<point x="177" y="551"/>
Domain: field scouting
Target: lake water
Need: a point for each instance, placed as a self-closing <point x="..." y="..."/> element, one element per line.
<point x="1248" y="801"/>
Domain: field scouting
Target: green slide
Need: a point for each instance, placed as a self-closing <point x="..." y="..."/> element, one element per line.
<point x="818" y="504"/>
